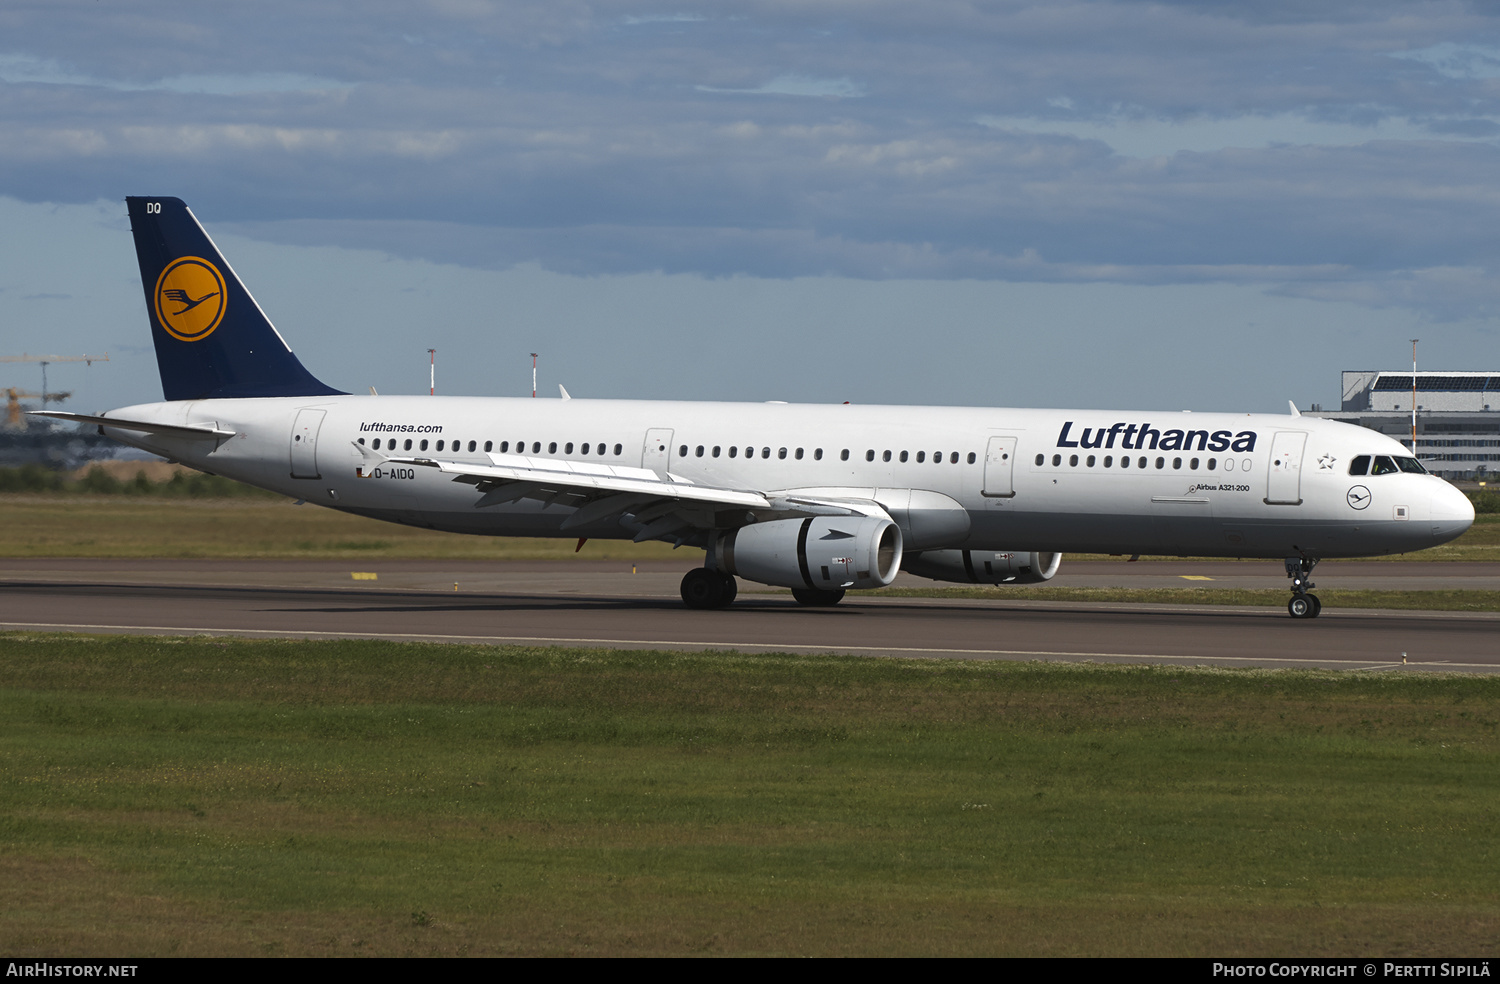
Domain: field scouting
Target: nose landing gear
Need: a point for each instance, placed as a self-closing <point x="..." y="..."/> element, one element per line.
<point x="703" y="588"/>
<point x="1303" y="604"/>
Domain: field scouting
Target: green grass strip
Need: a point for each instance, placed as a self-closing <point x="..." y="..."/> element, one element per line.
<point x="222" y="797"/>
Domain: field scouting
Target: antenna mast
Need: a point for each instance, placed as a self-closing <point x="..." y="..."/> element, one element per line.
<point x="533" y="375"/>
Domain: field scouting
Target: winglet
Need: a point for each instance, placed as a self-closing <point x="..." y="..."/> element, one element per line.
<point x="561" y="389"/>
<point x="1295" y="411"/>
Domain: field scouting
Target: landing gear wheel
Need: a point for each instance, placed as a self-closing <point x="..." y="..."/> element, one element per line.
<point x="818" y="598"/>
<point x="1303" y="604"/>
<point x="704" y="589"/>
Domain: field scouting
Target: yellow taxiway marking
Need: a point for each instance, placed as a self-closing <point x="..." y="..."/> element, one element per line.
<point x="1195" y="577"/>
<point x="364" y="576"/>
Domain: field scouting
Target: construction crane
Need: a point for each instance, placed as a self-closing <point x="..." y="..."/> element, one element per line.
<point x="47" y="360"/>
<point x="13" y="398"/>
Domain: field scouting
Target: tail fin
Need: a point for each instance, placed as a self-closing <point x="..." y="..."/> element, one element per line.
<point x="212" y="339"/>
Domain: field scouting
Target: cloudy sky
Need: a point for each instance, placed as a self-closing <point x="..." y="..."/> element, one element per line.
<point x="1175" y="205"/>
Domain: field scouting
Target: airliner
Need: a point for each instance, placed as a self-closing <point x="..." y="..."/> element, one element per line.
<point x="816" y="498"/>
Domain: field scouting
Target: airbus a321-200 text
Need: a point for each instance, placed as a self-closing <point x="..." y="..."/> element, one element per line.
<point x="816" y="498"/>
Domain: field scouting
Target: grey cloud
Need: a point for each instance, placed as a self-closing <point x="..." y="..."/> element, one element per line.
<point x="1308" y="147"/>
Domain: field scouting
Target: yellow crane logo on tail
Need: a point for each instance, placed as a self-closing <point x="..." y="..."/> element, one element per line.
<point x="190" y="298"/>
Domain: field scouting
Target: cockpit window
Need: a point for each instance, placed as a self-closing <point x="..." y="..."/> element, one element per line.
<point x="1411" y="466"/>
<point x="1384" y="466"/>
<point x="1360" y="465"/>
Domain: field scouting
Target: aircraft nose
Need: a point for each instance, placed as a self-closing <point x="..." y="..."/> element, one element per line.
<point x="1452" y="512"/>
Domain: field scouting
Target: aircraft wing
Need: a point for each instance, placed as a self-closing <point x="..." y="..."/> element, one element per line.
<point x="656" y="504"/>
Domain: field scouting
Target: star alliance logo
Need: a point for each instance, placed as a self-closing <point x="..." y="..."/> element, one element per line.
<point x="1325" y="463"/>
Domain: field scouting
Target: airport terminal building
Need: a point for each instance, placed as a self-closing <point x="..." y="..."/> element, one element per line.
<point x="1458" y="417"/>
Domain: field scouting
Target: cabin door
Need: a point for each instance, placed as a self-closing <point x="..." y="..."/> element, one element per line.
<point x="656" y="452"/>
<point x="999" y="468"/>
<point x="1284" y="477"/>
<point x="305" y="443"/>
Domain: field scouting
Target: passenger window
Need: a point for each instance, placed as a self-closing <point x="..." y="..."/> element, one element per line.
<point x="844" y="455"/>
<point x="1213" y="463"/>
<point x="1040" y="459"/>
<point x="1360" y="465"/>
<point x="584" y="449"/>
<point x="765" y="452"/>
<point x="698" y="451"/>
<point x="552" y="447"/>
<point x="504" y="446"/>
<point x="734" y="450"/>
<point x="423" y="445"/>
<point x="1056" y="460"/>
<point x="953" y="458"/>
<point x="781" y="453"/>
<point x="870" y="455"/>
<point x="536" y="447"/>
<point x="1384" y="466"/>
<point x="921" y="456"/>
<point x="799" y="454"/>
<point x="1124" y="462"/>
<point x="937" y="458"/>
<point x="903" y="457"/>
<point x="472" y="445"/>
<point x="618" y="449"/>
<point x="1109" y="461"/>
<point x="886" y="456"/>
<point x="1193" y="464"/>
<point x="1073" y="460"/>
<point x="361" y="440"/>
<point x="682" y="451"/>
<point x="973" y="458"/>
<point x="1161" y="463"/>
<point x="568" y="448"/>
<point x="1091" y="461"/>
<point x="716" y="450"/>
<point x="439" y="445"/>
<point x="1176" y="464"/>
<point x="1142" y="462"/>
<point x="817" y="454"/>
<point x="488" y="446"/>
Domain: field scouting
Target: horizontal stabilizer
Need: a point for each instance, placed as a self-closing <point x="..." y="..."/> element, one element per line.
<point x="144" y="426"/>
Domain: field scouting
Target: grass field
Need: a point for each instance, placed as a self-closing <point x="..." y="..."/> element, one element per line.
<point x="187" y="796"/>
<point x="77" y="525"/>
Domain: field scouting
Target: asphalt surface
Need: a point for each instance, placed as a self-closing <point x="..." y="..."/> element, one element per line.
<point x="587" y="603"/>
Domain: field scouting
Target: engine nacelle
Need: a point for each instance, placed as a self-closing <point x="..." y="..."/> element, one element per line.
<point x="983" y="566"/>
<point x="823" y="552"/>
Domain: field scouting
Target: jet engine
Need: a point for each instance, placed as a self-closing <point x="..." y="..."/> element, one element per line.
<point x="983" y="566"/>
<point x="827" y="553"/>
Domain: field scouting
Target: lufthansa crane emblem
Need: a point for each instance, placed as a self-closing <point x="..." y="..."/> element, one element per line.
<point x="190" y="298"/>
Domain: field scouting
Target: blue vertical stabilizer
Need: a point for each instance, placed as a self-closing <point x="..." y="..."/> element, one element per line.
<point x="212" y="339"/>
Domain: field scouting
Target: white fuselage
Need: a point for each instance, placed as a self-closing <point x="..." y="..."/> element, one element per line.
<point x="1244" y="485"/>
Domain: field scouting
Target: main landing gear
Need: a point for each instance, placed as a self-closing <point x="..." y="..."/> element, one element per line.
<point x="1302" y="605"/>
<point x="703" y="588"/>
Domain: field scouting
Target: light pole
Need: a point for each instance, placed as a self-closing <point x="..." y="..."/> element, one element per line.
<point x="1414" y="396"/>
<point x="432" y="373"/>
<point x="533" y="375"/>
